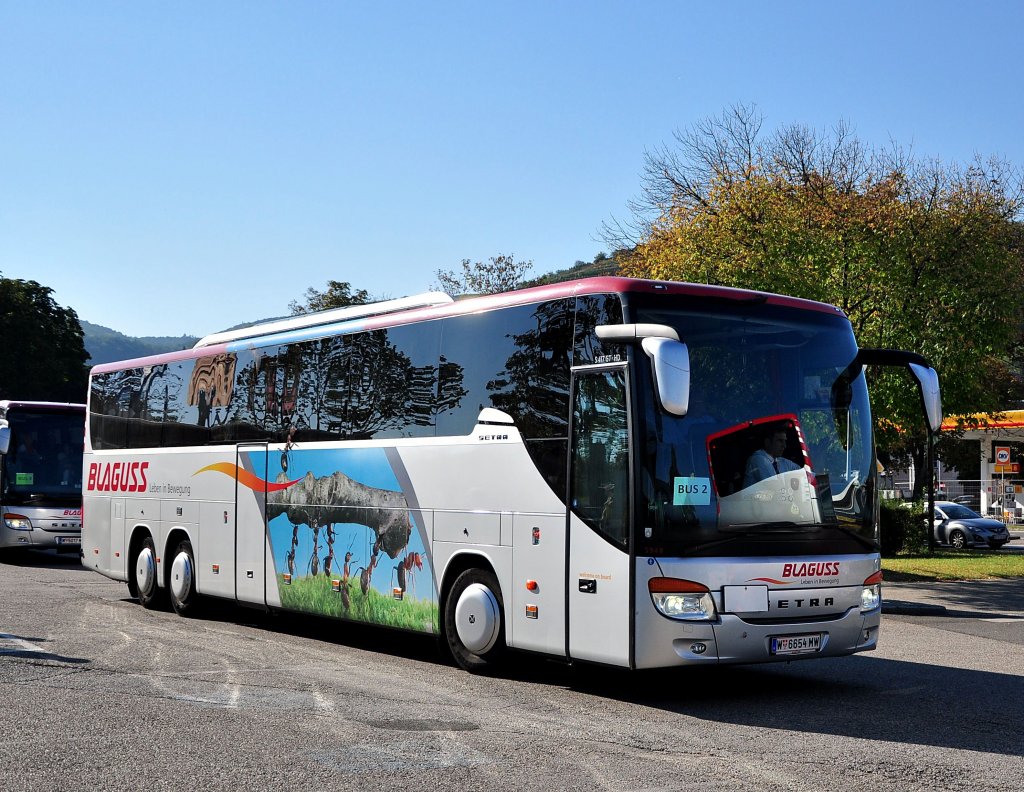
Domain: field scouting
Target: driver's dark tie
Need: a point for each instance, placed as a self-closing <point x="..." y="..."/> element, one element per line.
<point x="775" y="464"/>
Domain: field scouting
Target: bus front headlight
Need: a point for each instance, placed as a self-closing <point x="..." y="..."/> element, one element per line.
<point x="682" y="599"/>
<point x="871" y="594"/>
<point x="17" y="522"/>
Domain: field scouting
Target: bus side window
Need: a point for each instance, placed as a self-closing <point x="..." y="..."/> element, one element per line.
<point x="600" y="470"/>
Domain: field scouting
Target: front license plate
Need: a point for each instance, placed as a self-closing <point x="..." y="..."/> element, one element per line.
<point x="69" y="540"/>
<point x="796" y="644"/>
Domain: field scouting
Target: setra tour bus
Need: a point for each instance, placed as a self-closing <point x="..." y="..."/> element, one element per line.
<point x="576" y="470"/>
<point x="41" y="475"/>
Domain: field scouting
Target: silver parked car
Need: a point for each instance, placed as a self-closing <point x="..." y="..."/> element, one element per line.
<point x="958" y="526"/>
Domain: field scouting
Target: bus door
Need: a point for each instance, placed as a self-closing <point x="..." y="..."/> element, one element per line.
<point x="251" y="523"/>
<point x="599" y="517"/>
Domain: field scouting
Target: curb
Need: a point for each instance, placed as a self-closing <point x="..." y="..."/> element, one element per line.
<point x="904" y="608"/>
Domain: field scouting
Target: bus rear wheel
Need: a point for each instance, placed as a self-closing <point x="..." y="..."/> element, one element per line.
<point x="473" y="624"/>
<point x="182" y="582"/>
<point x="144" y="575"/>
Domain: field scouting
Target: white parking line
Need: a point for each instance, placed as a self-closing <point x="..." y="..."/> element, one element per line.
<point x="12" y="644"/>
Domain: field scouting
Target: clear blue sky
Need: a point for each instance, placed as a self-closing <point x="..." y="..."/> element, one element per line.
<point x="182" y="167"/>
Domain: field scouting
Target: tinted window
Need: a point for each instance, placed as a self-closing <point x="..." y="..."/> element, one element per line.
<point x="704" y="485"/>
<point x="600" y="441"/>
<point x="112" y="399"/>
<point x="168" y="416"/>
<point x="379" y="384"/>
<point x="186" y="402"/>
<point x="591" y="311"/>
<point x="955" y="511"/>
<point x="515" y="360"/>
<point x="44" y="457"/>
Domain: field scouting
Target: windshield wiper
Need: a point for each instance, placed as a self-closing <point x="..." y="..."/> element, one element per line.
<point x="779" y="526"/>
<point x="741" y="532"/>
<point x="715" y="543"/>
<point x="800" y="528"/>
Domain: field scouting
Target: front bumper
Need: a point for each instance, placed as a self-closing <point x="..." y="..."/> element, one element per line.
<point x="65" y="537"/>
<point x="731" y="639"/>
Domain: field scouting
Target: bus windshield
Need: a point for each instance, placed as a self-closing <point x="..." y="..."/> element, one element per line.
<point x="775" y="453"/>
<point x="44" y="463"/>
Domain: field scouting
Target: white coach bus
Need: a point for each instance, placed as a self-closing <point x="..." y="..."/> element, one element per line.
<point x="618" y="471"/>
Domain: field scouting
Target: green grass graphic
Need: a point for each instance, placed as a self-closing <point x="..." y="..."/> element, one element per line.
<point x="315" y="595"/>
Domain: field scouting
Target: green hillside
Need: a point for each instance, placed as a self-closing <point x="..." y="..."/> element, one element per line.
<point x="105" y="345"/>
<point x="602" y="265"/>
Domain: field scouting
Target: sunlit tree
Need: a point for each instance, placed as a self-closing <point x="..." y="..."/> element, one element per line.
<point x="921" y="255"/>
<point x="497" y="274"/>
<point x="42" y="353"/>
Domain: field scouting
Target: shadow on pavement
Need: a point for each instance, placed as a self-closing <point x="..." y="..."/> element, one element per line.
<point x="24" y="647"/>
<point x="25" y="557"/>
<point x="862" y="697"/>
<point x="876" y="699"/>
<point x="367" y="637"/>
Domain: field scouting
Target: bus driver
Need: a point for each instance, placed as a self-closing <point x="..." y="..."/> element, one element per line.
<point x="768" y="460"/>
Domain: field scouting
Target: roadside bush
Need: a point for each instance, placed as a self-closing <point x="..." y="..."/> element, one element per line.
<point x="902" y="528"/>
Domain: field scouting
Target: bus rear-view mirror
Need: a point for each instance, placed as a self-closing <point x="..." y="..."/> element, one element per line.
<point x="927" y="377"/>
<point x="670" y="362"/>
<point x="5" y="437"/>
<point x="928" y="380"/>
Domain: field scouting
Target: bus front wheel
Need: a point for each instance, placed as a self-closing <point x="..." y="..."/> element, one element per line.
<point x="473" y="623"/>
<point x="182" y="582"/>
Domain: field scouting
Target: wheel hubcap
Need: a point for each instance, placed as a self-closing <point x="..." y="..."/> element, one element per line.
<point x="477" y="618"/>
<point x="145" y="571"/>
<point x="181" y="576"/>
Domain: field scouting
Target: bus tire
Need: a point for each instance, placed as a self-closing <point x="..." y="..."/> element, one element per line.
<point x="473" y="625"/>
<point x="144" y="574"/>
<point x="181" y="581"/>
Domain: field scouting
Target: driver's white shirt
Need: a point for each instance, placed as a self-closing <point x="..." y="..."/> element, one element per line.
<point x="762" y="465"/>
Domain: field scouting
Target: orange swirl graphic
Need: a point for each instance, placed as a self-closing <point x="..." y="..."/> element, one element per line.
<point x="769" y="580"/>
<point x="246" y="478"/>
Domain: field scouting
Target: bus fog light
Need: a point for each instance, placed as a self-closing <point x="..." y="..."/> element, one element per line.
<point x="17" y="522"/>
